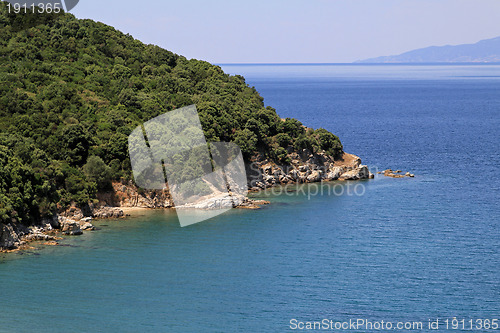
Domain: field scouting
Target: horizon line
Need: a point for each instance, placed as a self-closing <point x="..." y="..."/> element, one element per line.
<point x="352" y="63"/>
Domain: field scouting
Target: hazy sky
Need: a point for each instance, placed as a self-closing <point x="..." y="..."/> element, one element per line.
<point x="256" y="31"/>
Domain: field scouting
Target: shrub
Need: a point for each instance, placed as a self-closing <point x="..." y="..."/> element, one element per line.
<point x="292" y="127"/>
<point x="329" y="142"/>
<point x="280" y="154"/>
<point x="283" y="139"/>
<point x="98" y="172"/>
<point x="246" y="140"/>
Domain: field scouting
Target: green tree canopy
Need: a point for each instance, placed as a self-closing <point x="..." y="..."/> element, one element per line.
<point x="71" y="91"/>
<point x="98" y="172"/>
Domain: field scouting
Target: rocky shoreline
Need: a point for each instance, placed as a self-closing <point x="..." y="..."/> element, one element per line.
<point x="305" y="167"/>
<point x="16" y="236"/>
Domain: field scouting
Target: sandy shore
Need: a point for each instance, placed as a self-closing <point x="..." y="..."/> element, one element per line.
<point x="128" y="210"/>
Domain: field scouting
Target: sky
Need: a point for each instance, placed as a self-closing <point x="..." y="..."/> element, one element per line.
<point x="297" y="31"/>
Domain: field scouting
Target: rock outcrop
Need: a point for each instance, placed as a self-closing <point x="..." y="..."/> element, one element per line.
<point x="305" y="167"/>
<point x="252" y="204"/>
<point x="71" y="222"/>
<point x="87" y="213"/>
<point x="396" y="174"/>
<point x="9" y="237"/>
<point x="107" y="212"/>
<point x="38" y="234"/>
<point x="14" y="236"/>
<point x="216" y="202"/>
<point x="360" y="172"/>
<point x="70" y="227"/>
<point x="227" y="201"/>
<point x="86" y="225"/>
<point x="126" y="194"/>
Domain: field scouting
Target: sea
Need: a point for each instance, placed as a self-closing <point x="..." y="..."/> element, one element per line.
<point x="388" y="254"/>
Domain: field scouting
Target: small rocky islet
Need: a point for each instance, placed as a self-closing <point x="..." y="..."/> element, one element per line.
<point x="396" y="174"/>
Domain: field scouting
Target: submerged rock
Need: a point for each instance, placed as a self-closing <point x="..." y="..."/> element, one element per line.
<point x="87" y="226"/>
<point x="396" y="174"/>
<point x="252" y="204"/>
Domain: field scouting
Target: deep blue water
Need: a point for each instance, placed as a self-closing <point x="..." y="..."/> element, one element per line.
<point x="405" y="250"/>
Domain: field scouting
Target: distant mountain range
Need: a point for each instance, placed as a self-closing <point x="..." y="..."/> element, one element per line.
<point x="487" y="50"/>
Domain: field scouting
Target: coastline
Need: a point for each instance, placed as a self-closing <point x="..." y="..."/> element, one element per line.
<point x="125" y="199"/>
<point x="132" y="210"/>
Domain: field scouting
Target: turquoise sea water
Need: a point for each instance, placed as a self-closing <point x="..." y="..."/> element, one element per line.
<point x="404" y="250"/>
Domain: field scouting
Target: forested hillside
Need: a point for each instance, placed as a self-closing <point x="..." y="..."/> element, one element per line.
<point x="71" y="91"/>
